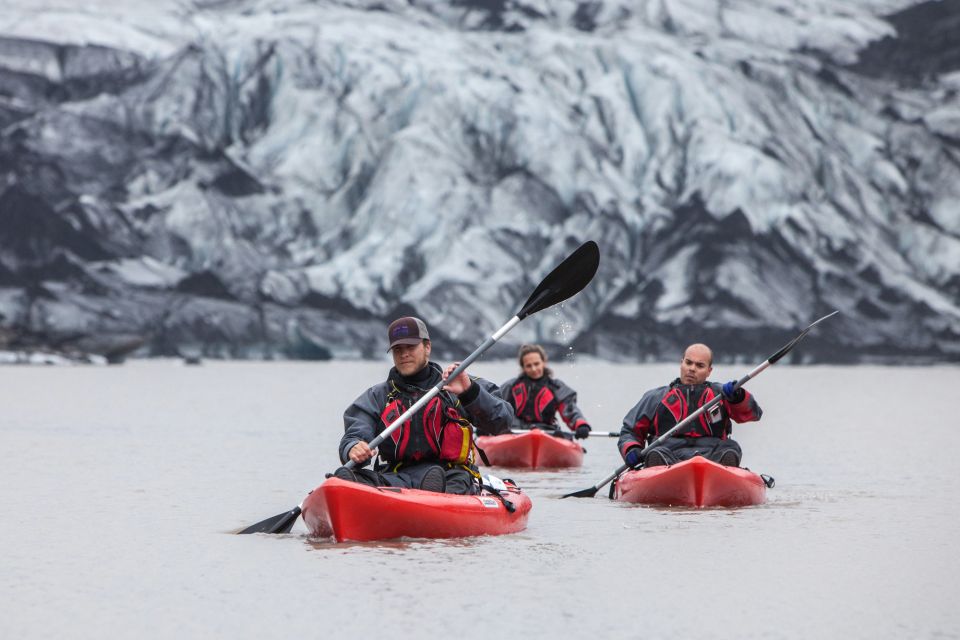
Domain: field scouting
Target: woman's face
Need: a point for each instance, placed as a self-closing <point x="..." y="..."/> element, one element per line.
<point x="533" y="366"/>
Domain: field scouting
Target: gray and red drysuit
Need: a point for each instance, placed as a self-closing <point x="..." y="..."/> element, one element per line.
<point x="441" y="433"/>
<point x="708" y="435"/>
<point x="536" y="403"/>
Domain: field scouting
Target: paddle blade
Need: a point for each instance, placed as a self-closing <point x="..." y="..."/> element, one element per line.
<point x="280" y="523"/>
<point x="583" y="493"/>
<point x="790" y="345"/>
<point x="565" y="281"/>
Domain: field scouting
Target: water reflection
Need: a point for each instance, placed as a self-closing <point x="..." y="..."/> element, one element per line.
<point x="401" y="544"/>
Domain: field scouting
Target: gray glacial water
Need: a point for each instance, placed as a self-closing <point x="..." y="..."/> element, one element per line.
<point x="122" y="485"/>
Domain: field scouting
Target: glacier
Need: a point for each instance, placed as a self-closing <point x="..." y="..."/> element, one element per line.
<point x="281" y="178"/>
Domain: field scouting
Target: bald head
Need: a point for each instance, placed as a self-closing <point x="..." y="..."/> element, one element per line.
<point x="700" y="350"/>
<point x="696" y="365"/>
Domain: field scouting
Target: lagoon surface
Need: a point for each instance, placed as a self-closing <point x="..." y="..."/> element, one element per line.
<point x="122" y="485"/>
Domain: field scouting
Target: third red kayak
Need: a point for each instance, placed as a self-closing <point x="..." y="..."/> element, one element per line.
<point x="533" y="449"/>
<point x="696" y="482"/>
<point x="353" y="511"/>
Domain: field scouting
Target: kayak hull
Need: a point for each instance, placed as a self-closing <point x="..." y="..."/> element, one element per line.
<point x="533" y="449"/>
<point x="696" y="482"/>
<point x="352" y="511"/>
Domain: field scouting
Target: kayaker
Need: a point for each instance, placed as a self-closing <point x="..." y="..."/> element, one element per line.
<point x="536" y="396"/>
<point x="661" y="408"/>
<point x="434" y="450"/>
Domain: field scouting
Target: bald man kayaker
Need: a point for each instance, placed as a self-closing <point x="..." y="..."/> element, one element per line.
<point x="434" y="450"/>
<point x="664" y="407"/>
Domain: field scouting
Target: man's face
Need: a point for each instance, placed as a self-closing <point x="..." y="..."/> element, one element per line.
<point x="695" y="366"/>
<point x="410" y="358"/>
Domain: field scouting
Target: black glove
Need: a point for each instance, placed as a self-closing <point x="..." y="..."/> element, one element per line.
<point x="633" y="457"/>
<point x="732" y="392"/>
<point x="583" y="431"/>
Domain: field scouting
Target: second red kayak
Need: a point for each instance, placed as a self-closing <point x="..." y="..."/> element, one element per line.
<point x="352" y="511"/>
<point x="532" y="449"/>
<point x="696" y="482"/>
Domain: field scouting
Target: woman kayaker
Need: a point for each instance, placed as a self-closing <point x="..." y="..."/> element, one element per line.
<point x="664" y="407"/>
<point x="536" y="396"/>
<point x="434" y="450"/>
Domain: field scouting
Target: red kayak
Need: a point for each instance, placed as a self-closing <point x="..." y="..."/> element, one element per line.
<point x="533" y="449"/>
<point x="696" y="482"/>
<point x="353" y="511"/>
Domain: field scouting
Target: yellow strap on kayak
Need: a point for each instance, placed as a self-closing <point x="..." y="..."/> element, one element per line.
<point x="472" y="471"/>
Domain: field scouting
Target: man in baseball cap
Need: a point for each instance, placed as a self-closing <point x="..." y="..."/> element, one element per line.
<point x="433" y="450"/>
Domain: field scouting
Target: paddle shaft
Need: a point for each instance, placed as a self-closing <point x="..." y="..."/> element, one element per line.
<point x="419" y="404"/>
<point x="603" y="434"/>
